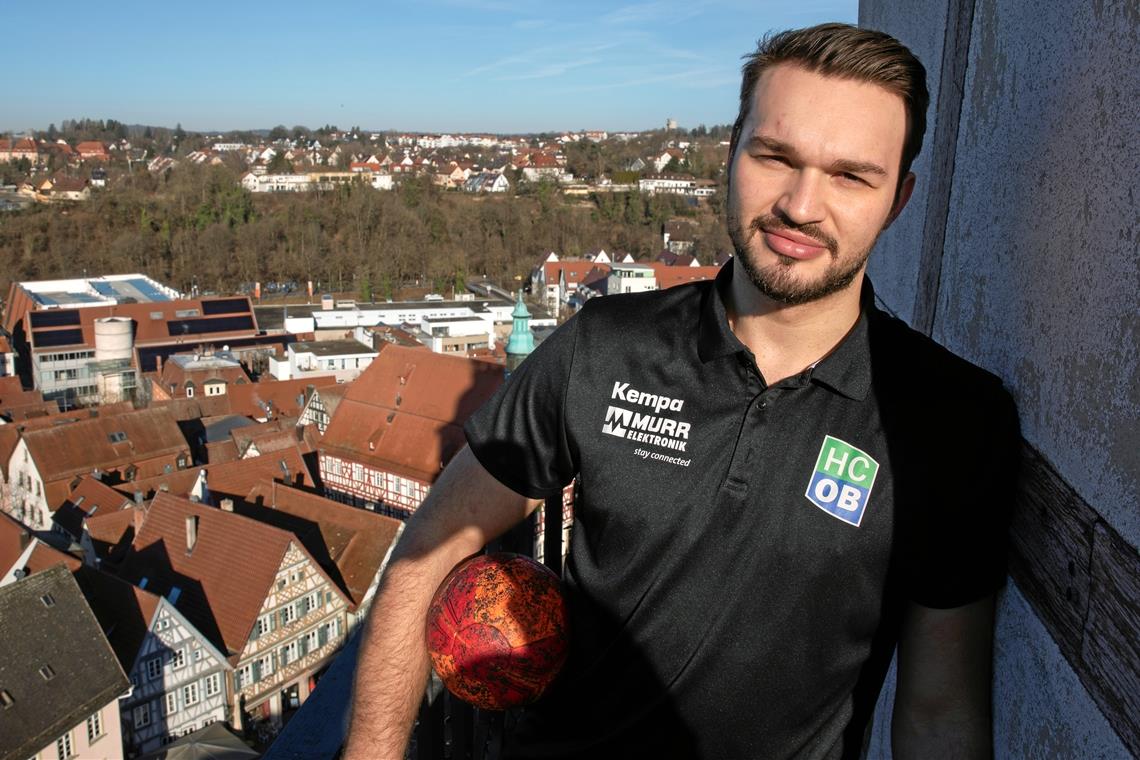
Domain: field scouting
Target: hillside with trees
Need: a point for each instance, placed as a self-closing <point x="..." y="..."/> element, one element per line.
<point x="197" y="226"/>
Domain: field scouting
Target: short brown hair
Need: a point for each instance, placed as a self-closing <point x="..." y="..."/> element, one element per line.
<point x="846" y="52"/>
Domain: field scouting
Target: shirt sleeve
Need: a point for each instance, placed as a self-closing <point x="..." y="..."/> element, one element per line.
<point x="519" y="435"/>
<point x="957" y="547"/>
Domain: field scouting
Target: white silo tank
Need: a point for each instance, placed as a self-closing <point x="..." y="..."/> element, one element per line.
<point x="114" y="341"/>
<point x="114" y="338"/>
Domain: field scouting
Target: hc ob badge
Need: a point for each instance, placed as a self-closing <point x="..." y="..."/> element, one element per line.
<point x="842" y="481"/>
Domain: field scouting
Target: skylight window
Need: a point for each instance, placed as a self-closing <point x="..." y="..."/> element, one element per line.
<point x="47" y="672"/>
<point x="48" y="600"/>
<point x="117" y="437"/>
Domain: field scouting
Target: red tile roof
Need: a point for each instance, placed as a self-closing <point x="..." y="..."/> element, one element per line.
<point x="14" y="539"/>
<point x="668" y="276"/>
<point x="231" y="479"/>
<point x="285" y="397"/>
<point x="112" y="532"/>
<point x="88" y="496"/>
<point x="575" y="271"/>
<point x="350" y="543"/>
<point x="149" y="329"/>
<point x="124" y="611"/>
<point x="405" y="413"/>
<point x="150" y="440"/>
<point x="224" y="580"/>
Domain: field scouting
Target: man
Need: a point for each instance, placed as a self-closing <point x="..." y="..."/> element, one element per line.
<point x="778" y="481"/>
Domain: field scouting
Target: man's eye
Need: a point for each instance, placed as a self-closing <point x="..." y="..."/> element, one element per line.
<point x="852" y="178"/>
<point x="769" y="158"/>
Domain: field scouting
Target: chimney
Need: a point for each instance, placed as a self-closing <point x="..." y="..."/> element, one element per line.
<point x="227" y="505"/>
<point x="138" y="498"/>
<point x="158" y="364"/>
<point x="191" y="532"/>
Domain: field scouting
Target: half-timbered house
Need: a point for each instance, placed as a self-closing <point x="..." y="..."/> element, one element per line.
<point x="252" y="589"/>
<point x="398" y="425"/>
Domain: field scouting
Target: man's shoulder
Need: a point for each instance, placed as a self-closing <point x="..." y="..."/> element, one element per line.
<point x="680" y="304"/>
<point x="903" y="356"/>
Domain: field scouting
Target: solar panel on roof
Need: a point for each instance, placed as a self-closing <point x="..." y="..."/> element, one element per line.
<point x="51" y="338"/>
<point x="177" y="327"/>
<point x="225" y="306"/>
<point x="104" y="289"/>
<point x="148" y="290"/>
<point x="54" y="318"/>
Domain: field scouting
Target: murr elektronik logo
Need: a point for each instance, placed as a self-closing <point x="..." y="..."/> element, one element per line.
<point x="842" y="481"/>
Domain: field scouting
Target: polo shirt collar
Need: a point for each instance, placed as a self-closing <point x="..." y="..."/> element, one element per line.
<point x="846" y="370"/>
<point x="716" y="338"/>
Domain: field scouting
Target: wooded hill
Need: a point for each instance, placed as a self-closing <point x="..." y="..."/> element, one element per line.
<point x="197" y="225"/>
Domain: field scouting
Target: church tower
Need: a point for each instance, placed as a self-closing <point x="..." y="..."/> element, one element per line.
<point x="521" y="341"/>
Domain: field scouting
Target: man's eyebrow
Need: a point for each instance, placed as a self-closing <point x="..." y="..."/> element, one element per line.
<point x="770" y="143"/>
<point x="849" y="166"/>
<point x="840" y="165"/>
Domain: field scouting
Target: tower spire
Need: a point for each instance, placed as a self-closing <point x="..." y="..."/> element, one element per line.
<point x="521" y="341"/>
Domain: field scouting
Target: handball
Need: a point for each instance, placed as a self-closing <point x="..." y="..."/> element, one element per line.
<point x="497" y="630"/>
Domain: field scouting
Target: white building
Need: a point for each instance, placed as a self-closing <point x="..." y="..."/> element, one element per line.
<point x="446" y="335"/>
<point x="345" y="359"/>
<point x="677" y="184"/>
<point x="179" y="680"/>
<point x="630" y="278"/>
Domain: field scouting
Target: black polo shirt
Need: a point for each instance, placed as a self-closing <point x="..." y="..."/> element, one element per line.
<point x="741" y="552"/>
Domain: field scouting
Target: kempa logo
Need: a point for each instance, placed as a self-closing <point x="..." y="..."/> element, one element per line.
<point x="842" y="481"/>
<point x="646" y="427"/>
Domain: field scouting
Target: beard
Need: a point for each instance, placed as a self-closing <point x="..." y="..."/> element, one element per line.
<point x="778" y="281"/>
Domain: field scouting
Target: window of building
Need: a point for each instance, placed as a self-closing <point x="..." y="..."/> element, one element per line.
<point x="63" y="747"/>
<point x="190" y="694"/>
<point x="288" y="614"/>
<point x="178" y="658"/>
<point x="142" y="715"/>
<point x="154" y="668"/>
<point x="171" y="702"/>
<point x="291" y="652"/>
<point x="94" y="727"/>
<point x="197" y="654"/>
<point x="264" y="625"/>
<point x="189" y="391"/>
<point x="213" y="684"/>
<point x="243" y="677"/>
<point x="313" y="640"/>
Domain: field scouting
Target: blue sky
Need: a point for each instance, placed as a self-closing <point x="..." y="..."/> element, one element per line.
<point x="435" y="65"/>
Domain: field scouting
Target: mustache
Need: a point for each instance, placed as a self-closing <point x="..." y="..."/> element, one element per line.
<point x="774" y="223"/>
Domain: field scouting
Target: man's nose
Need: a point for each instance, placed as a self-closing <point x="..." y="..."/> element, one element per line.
<point x="802" y="201"/>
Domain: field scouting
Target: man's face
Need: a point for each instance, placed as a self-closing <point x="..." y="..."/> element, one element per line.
<point x="813" y="181"/>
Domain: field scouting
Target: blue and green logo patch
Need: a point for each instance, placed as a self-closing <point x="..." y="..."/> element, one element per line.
<point x="842" y="481"/>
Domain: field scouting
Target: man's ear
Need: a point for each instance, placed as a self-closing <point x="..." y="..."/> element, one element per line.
<point x="906" y="187"/>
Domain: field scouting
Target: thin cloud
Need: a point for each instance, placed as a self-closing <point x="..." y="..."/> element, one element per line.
<point x="653" y="13"/>
<point x="702" y="78"/>
<point x="531" y="23"/>
<point x="552" y="70"/>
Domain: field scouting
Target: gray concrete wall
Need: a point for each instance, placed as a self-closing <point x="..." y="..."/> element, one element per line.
<point x="1040" y="283"/>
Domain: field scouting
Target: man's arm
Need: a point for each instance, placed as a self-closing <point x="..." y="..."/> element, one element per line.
<point x="464" y="510"/>
<point x="943" y="695"/>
